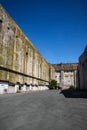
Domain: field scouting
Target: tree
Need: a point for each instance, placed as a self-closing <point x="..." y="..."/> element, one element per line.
<point x="53" y="84"/>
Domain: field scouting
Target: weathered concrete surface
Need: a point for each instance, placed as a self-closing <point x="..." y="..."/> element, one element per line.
<point x="19" y="54"/>
<point x="82" y="70"/>
<point x="66" y="74"/>
<point x="47" y="110"/>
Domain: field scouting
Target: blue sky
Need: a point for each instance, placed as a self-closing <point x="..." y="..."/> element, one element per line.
<point x="57" y="28"/>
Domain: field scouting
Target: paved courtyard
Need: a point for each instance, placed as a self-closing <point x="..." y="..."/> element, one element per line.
<point x="47" y="110"/>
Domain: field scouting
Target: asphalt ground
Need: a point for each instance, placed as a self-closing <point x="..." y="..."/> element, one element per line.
<point x="44" y="110"/>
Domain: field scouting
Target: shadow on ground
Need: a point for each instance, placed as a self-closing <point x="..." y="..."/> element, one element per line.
<point x="74" y="93"/>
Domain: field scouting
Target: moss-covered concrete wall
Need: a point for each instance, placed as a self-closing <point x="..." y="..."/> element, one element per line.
<point x="19" y="54"/>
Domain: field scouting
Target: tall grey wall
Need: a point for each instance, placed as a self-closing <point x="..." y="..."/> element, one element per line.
<point x="19" y="54"/>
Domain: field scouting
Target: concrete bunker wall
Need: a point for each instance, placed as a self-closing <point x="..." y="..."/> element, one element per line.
<point x="19" y="54"/>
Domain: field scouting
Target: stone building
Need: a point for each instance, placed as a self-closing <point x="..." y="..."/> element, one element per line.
<point x="17" y="53"/>
<point x="82" y="70"/>
<point x="66" y="74"/>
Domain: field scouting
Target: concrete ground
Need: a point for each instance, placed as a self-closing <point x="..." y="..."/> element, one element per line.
<point x="47" y="110"/>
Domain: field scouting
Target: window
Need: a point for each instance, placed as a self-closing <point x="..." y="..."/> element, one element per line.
<point x="0" y="23"/>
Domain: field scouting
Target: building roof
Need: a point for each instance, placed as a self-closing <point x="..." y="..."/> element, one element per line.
<point x="65" y="66"/>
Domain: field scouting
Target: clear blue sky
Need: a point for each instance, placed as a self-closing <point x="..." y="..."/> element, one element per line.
<point x="57" y="28"/>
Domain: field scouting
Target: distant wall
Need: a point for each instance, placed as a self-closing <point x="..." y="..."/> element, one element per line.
<point x="66" y="74"/>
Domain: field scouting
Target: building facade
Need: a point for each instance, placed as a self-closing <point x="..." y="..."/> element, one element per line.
<point x="21" y="62"/>
<point x="82" y="70"/>
<point x="19" y="54"/>
<point x="66" y="74"/>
